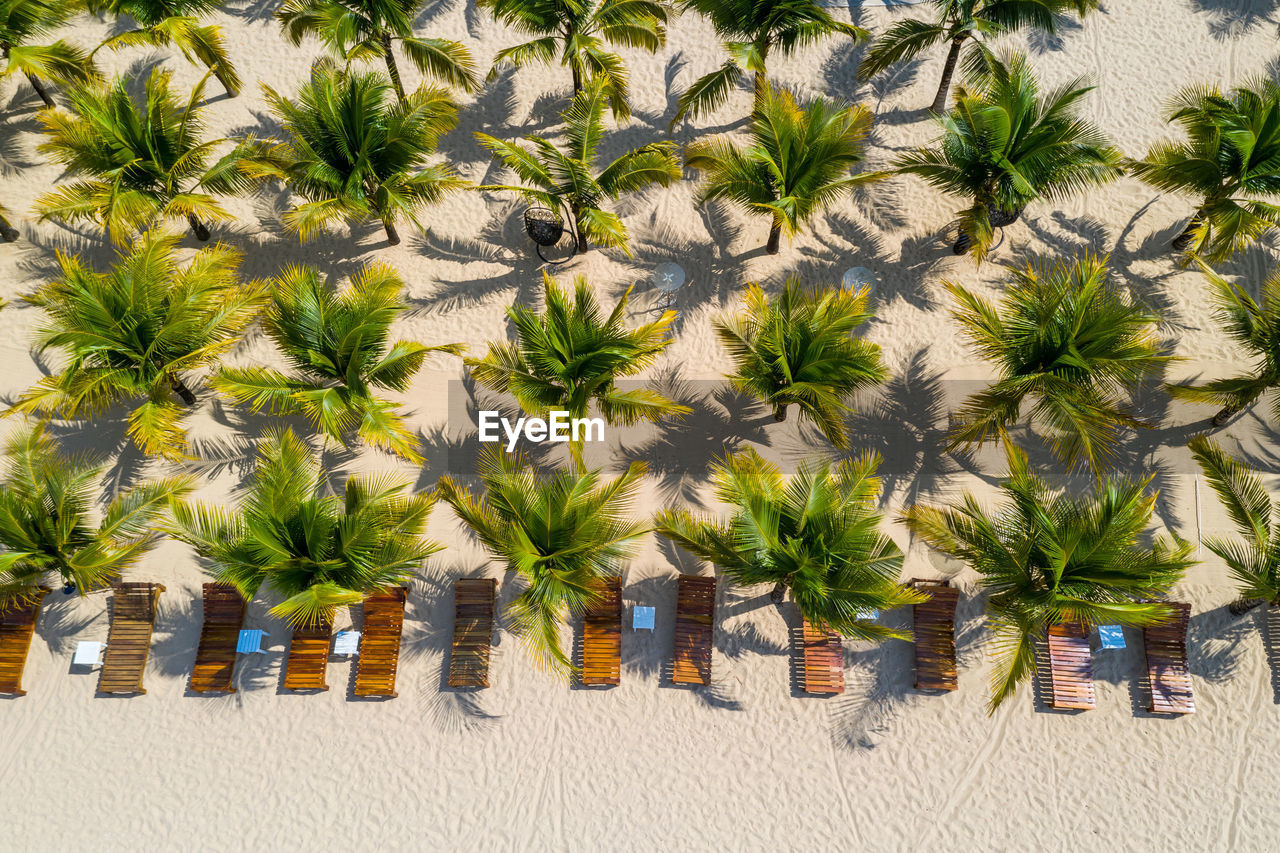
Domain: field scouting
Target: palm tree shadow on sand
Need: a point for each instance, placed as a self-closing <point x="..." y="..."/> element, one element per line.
<point x="1230" y="19"/>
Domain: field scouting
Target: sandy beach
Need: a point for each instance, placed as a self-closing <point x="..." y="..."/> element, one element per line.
<point x="748" y="763"/>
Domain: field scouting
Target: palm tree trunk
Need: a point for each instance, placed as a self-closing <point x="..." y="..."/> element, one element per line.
<point x="392" y="69"/>
<point x="577" y="79"/>
<point x="393" y="236"/>
<point x="577" y="228"/>
<point x="39" y="87"/>
<point x="948" y="71"/>
<point x="1183" y="241"/>
<point x="1227" y="413"/>
<point x="198" y="228"/>
<point x="780" y="412"/>
<point x="221" y="74"/>
<point x="7" y="232"/>
<point x="778" y="592"/>
<point x="184" y="393"/>
<point x="1241" y="606"/>
<point x="775" y="238"/>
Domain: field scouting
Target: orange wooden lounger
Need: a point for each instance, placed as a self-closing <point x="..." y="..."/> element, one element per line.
<point x="216" y="654"/>
<point x="1167" y="669"/>
<point x="1070" y="667"/>
<point x="307" y="666"/>
<point x="380" y="642"/>
<point x="602" y="636"/>
<point x="17" y="624"/>
<point x="472" y="631"/>
<point x="823" y="656"/>
<point x="133" y="614"/>
<point x="695" y="618"/>
<point x="935" y="636"/>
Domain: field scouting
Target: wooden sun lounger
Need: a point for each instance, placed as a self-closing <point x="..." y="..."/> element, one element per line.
<point x="1070" y="667"/>
<point x="935" y="636"/>
<point x="380" y="642"/>
<point x="308" y="663"/>
<point x="1167" y="670"/>
<point x="133" y="614"/>
<point x="472" y="631"/>
<point x="695" y="617"/>
<point x="216" y="654"/>
<point x="823" y="657"/>
<point x="17" y="624"/>
<point x="602" y="636"/>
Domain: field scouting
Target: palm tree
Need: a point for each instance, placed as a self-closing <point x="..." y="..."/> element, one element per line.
<point x="796" y="162"/>
<point x="316" y="551"/>
<point x="337" y="343"/>
<point x="1066" y="342"/>
<point x="173" y="23"/>
<point x="566" y="179"/>
<point x="139" y="161"/>
<point x="132" y="335"/>
<point x="48" y="503"/>
<point x="368" y="29"/>
<point x="25" y="21"/>
<point x="1255" y="563"/>
<point x="799" y="348"/>
<point x="751" y="31"/>
<point x="957" y="22"/>
<point x="1229" y="163"/>
<point x="355" y="154"/>
<point x="1005" y="145"/>
<point x="571" y="357"/>
<point x="580" y="33"/>
<point x="7" y="232"/>
<point x="1047" y="558"/>
<point x="561" y="533"/>
<point x="816" y="534"/>
<point x="1255" y="327"/>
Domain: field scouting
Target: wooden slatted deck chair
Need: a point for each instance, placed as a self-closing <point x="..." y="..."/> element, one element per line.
<point x="472" y="631"/>
<point x="695" y="619"/>
<point x="823" y="659"/>
<point x="1070" y="667"/>
<point x="216" y="653"/>
<point x="307" y="665"/>
<point x="935" y="636"/>
<point x="602" y="636"/>
<point x="133" y="614"/>
<point x="380" y="642"/>
<point x="17" y="624"/>
<point x="1167" y="669"/>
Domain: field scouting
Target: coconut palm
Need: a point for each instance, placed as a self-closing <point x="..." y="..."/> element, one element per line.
<point x="580" y="32"/>
<point x="337" y="342"/>
<point x="1229" y="164"/>
<point x="23" y="22"/>
<point x="1254" y="563"/>
<point x="958" y="22"/>
<point x="7" y="232"/>
<point x="816" y="534"/>
<point x="560" y="533"/>
<point x="1068" y="345"/>
<point x="752" y="31"/>
<point x="1047" y="557"/>
<point x="314" y="550"/>
<point x="565" y="178"/>
<point x="369" y="29"/>
<point x="173" y="23"/>
<point x="1255" y="326"/>
<point x="571" y="357"/>
<point x="1007" y="144"/>
<point x="354" y="153"/>
<point x="133" y="335"/>
<point x="49" y="524"/>
<point x="139" y="161"/>
<point x="799" y="348"/>
<point x="797" y="162"/>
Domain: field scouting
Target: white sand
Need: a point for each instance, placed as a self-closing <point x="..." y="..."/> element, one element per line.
<point x="744" y="764"/>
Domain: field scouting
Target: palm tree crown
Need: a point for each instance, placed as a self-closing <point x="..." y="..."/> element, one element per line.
<point x="338" y="345"/>
<point x="1005" y="145"/>
<point x="1229" y="163"/>
<point x="816" y="534"/>
<point x="47" y="525"/>
<point x="799" y="348"/>
<point x="1046" y="558"/>
<point x="1069" y="341"/>
<point x="561" y="533"/>
<point x="798" y="161"/>
<point x="315" y="550"/>
<point x="23" y="22"/>
<point x="130" y="335"/>
<point x="173" y="22"/>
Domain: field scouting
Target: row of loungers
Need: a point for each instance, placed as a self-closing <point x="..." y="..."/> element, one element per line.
<point x="820" y="657"/>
